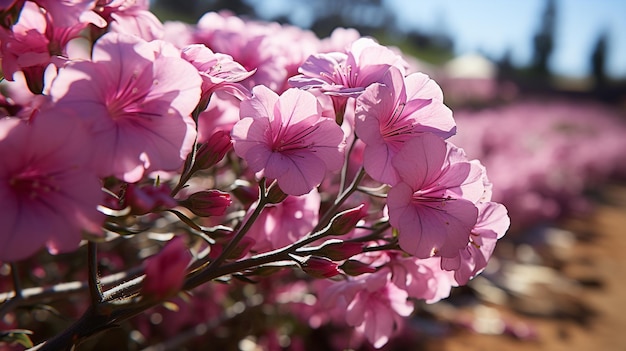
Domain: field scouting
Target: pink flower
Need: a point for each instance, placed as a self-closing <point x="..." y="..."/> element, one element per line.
<point x="71" y="13"/>
<point x="135" y="103"/>
<point x="218" y="71"/>
<point x="25" y="47"/>
<point x="131" y="17"/>
<point x="249" y="43"/>
<point x="392" y="112"/>
<point x="165" y="271"/>
<point x="491" y="225"/>
<point x="433" y="206"/>
<point x="372" y="304"/>
<point x="48" y="194"/>
<point x="286" y="139"/>
<point x="284" y="223"/>
<point x="422" y="278"/>
<point x="347" y="74"/>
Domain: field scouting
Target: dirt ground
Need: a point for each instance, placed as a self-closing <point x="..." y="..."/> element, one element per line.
<point x="586" y="309"/>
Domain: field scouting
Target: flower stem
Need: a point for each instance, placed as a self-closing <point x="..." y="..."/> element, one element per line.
<point x="341" y="198"/>
<point x="95" y="289"/>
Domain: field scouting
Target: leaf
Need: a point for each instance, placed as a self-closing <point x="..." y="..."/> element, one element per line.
<point x="19" y="336"/>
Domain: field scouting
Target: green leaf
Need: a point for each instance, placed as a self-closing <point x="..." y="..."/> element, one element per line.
<point x="19" y="336"/>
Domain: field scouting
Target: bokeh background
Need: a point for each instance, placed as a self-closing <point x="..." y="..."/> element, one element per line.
<point x="539" y="92"/>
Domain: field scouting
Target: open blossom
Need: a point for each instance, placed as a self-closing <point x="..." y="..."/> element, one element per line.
<point x="251" y="44"/>
<point x="347" y="74"/>
<point x="131" y="17"/>
<point x="433" y="206"/>
<point x="372" y="304"/>
<point x="25" y="47"/>
<point x="287" y="139"/>
<point x="422" y="279"/>
<point x="393" y="111"/>
<point x="135" y="102"/>
<point x="49" y="195"/>
<point x="218" y="71"/>
<point x="71" y="13"/>
<point x="491" y="225"/>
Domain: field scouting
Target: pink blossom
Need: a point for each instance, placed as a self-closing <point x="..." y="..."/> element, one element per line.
<point x="165" y="271"/>
<point x="422" y="279"/>
<point x="218" y="71"/>
<point x="433" y="206"/>
<point x="135" y="103"/>
<point x="49" y="195"/>
<point x="286" y="139"/>
<point x="491" y="225"/>
<point x="373" y="304"/>
<point x="284" y="223"/>
<point x="249" y="43"/>
<point x="71" y="13"/>
<point x="131" y="17"/>
<point x="392" y="112"/>
<point x="25" y="47"/>
<point x="347" y="74"/>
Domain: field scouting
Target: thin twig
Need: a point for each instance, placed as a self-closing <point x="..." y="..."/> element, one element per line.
<point x="95" y="289"/>
<point x="17" y="286"/>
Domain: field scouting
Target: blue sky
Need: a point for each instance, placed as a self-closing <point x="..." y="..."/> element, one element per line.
<point x="494" y="26"/>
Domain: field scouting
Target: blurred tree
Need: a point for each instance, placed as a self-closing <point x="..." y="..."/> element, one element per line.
<point x="193" y="10"/>
<point x="544" y="39"/>
<point x="598" y="60"/>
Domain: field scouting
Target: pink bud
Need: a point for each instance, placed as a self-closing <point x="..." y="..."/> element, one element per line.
<point x="10" y="12"/>
<point x="339" y="251"/>
<point x="148" y="198"/>
<point x="275" y="194"/>
<point x="214" y="150"/>
<point x="354" y="268"/>
<point x="345" y="221"/>
<point x="165" y="271"/>
<point x="320" y="267"/>
<point x="207" y="203"/>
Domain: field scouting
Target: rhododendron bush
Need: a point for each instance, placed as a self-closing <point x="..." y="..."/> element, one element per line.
<point x="224" y="174"/>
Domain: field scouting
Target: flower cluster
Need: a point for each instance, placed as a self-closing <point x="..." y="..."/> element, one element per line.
<point x="263" y="146"/>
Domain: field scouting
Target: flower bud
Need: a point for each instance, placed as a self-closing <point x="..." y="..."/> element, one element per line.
<point x="207" y="203"/>
<point x="320" y="267"/>
<point x="148" y="198"/>
<point x="354" y="268"/>
<point x="339" y="251"/>
<point x="213" y="151"/>
<point x="345" y="221"/>
<point x="165" y="271"/>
